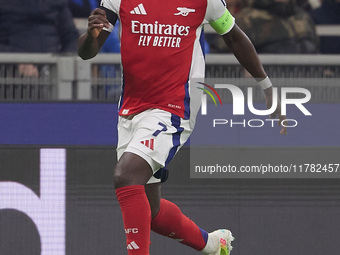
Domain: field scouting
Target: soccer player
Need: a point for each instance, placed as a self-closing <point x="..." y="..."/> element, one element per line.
<point x="161" y="57"/>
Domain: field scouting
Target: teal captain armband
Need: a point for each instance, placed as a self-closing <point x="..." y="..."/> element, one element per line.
<point x="224" y="24"/>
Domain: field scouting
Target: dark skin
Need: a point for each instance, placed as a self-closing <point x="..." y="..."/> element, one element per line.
<point x="132" y="169"/>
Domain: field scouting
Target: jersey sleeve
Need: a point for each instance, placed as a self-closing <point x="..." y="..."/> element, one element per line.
<point x="111" y="9"/>
<point x="219" y="16"/>
<point x="111" y="5"/>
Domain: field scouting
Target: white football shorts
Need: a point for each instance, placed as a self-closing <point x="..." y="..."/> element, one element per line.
<point x="155" y="135"/>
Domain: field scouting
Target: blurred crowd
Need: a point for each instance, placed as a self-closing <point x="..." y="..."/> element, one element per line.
<point x="48" y="26"/>
<point x="274" y="26"/>
<point x="36" y="26"/>
<point x="284" y="26"/>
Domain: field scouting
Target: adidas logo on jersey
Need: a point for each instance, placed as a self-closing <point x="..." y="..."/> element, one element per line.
<point x="132" y="246"/>
<point x="139" y="10"/>
<point x="149" y="143"/>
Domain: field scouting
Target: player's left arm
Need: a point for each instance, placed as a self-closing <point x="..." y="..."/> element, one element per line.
<point x="243" y="49"/>
<point x="238" y="42"/>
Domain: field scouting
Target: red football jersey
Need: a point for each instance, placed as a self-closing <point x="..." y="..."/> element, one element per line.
<point x="161" y="52"/>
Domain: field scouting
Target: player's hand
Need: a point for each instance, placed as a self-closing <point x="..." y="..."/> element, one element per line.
<point x="96" y="22"/>
<point x="277" y="113"/>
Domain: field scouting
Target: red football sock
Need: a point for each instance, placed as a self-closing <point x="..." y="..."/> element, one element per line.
<point x="136" y="217"/>
<point x="171" y="222"/>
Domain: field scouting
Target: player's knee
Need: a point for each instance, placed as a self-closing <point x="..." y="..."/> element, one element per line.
<point x="126" y="176"/>
<point x="120" y="179"/>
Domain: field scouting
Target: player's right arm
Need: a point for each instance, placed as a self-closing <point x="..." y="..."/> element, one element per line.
<point x="90" y="43"/>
